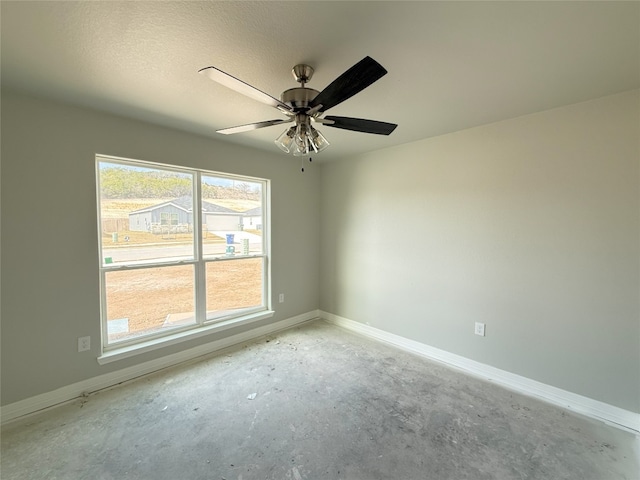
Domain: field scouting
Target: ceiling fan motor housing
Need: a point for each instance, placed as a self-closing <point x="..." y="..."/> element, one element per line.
<point x="299" y="98"/>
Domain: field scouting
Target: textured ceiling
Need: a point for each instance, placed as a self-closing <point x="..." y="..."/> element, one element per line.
<point x="452" y="65"/>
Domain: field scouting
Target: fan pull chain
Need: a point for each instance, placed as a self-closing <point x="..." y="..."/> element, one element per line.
<point x="302" y="163"/>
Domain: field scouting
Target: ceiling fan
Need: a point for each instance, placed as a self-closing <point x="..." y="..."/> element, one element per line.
<point x="304" y="105"/>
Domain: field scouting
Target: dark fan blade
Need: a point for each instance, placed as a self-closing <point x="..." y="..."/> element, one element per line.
<point x="354" y="80"/>
<point x="252" y="126"/>
<point x="239" y="86"/>
<point x="361" y="125"/>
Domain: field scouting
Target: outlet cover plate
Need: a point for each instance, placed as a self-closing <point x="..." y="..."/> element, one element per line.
<point x="479" y="329"/>
<point x="84" y="344"/>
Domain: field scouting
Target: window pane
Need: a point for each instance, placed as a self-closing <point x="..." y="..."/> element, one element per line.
<point x="232" y="217"/>
<point x="146" y="214"/>
<point x="149" y="300"/>
<point x="233" y="286"/>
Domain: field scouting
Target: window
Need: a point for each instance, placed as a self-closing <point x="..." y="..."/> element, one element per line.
<point x="168" y="218"/>
<point x="165" y="270"/>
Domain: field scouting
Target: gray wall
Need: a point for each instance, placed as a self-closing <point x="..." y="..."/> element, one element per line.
<point x="530" y="225"/>
<point x="50" y="289"/>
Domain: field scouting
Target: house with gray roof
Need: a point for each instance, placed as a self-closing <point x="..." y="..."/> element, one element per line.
<point x="177" y="215"/>
<point x="253" y="219"/>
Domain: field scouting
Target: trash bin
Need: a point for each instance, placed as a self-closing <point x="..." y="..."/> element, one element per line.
<point x="114" y="237"/>
<point x="229" y="238"/>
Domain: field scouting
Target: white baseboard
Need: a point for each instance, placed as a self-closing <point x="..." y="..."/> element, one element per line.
<point x="618" y="417"/>
<point x="61" y="395"/>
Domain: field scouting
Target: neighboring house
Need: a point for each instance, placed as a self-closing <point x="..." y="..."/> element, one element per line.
<point x="177" y="215"/>
<point x="215" y="217"/>
<point x="253" y="219"/>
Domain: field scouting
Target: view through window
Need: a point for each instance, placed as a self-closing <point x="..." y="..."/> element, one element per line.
<point x="164" y="269"/>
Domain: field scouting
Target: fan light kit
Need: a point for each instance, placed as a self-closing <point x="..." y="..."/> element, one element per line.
<point x="304" y="105"/>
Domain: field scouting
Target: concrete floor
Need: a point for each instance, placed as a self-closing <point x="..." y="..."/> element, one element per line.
<point x="328" y="405"/>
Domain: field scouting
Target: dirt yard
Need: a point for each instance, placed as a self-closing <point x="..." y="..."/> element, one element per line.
<point x="151" y="297"/>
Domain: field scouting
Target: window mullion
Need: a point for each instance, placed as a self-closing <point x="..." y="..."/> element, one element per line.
<point x="200" y="271"/>
<point x="103" y="308"/>
<point x="266" y="245"/>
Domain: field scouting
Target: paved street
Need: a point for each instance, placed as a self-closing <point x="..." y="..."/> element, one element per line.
<point x="124" y="253"/>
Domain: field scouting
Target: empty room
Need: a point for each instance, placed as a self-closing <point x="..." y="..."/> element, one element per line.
<point x="416" y="252"/>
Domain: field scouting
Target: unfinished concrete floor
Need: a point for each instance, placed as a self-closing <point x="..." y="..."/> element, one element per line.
<point x="328" y="405"/>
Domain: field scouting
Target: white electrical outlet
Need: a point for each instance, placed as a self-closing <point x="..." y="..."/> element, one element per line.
<point x="480" y="329"/>
<point x="281" y="298"/>
<point x="84" y="344"/>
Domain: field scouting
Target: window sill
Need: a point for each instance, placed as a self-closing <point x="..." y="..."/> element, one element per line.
<point x="150" y="345"/>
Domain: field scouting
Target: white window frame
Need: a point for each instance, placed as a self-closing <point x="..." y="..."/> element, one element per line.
<point x="203" y="326"/>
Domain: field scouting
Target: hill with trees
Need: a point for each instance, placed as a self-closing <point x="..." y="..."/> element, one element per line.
<point x="123" y="183"/>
